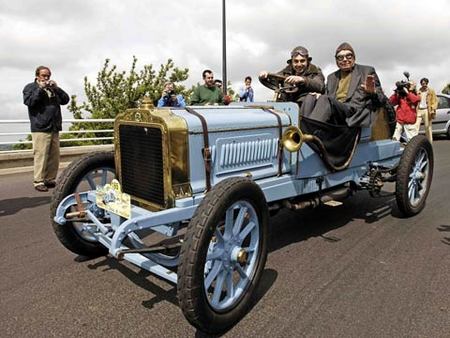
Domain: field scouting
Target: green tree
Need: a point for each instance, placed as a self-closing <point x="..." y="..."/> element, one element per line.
<point x="446" y="89"/>
<point x="234" y="96"/>
<point x="23" y="146"/>
<point x="115" y="91"/>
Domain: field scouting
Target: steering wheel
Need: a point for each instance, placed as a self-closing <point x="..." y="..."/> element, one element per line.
<point x="277" y="83"/>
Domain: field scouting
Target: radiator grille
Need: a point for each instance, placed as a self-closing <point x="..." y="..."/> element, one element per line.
<point x="141" y="162"/>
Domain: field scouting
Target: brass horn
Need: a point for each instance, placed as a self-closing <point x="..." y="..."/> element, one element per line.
<point x="292" y="139"/>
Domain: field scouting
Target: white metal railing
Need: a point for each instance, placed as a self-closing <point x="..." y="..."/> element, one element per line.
<point x="65" y="121"/>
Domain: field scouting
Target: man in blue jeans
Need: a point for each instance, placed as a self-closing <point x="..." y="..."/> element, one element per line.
<point x="44" y="99"/>
<point x="246" y="93"/>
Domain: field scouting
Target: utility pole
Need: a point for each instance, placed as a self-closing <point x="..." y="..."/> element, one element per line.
<point x="224" y="51"/>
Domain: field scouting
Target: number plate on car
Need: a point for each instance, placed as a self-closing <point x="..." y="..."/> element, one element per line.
<point x="111" y="198"/>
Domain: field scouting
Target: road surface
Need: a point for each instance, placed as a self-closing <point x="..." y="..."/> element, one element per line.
<point x="358" y="270"/>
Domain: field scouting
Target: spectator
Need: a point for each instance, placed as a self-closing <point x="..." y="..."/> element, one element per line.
<point x="207" y="93"/>
<point x="299" y="72"/>
<point x="226" y="98"/>
<point x="44" y="98"/>
<point x="426" y="110"/>
<point x="353" y="92"/>
<point x="169" y="98"/>
<point x="406" y="100"/>
<point x="246" y="92"/>
<point x="218" y="83"/>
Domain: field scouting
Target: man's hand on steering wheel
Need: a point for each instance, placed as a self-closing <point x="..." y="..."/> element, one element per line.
<point x="294" y="80"/>
<point x="278" y="82"/>
<point x="263" y="74"/>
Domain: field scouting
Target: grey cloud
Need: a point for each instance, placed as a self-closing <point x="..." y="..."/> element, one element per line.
<point x="76" y="37"/>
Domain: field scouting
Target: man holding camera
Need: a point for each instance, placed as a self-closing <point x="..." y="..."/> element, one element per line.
<point x="406" y="100"/>
<point x="426" y="110"/>
<point x="169" y="98"/>
<point x="44" y="99"/>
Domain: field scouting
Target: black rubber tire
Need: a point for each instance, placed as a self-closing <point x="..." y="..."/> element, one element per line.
<point x="66" y="185"/>
<point x="412" y="149"/>
<point x="191" y="293"/>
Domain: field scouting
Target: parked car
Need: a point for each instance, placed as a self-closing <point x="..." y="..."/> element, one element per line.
<point x="207" y="179"/>
<point x="441" y="124"/>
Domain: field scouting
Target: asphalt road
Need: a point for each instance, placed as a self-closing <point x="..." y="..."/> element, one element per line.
<point x="358" y="270"/>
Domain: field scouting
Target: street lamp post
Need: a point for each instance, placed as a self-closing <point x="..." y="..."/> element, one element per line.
<point x="224" y="51"/>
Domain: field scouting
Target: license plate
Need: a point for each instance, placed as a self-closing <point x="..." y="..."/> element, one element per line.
<point x="111" y="198"/>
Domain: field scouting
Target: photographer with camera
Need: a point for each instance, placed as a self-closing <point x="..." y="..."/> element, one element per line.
<point x="44" y="98"/>
<point x="169" y="98"/>
<point x="406" y="100"/>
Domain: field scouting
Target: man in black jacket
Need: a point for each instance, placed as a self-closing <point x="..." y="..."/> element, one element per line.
<point x="301" y="73"/>
<point x="44" y="98"/>
<point x="353" y="93"/>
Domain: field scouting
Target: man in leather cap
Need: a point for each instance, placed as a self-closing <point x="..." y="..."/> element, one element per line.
<point x="301" y="73"/>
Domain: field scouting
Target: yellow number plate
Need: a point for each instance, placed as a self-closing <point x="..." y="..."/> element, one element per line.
<point x="111" y="198"/>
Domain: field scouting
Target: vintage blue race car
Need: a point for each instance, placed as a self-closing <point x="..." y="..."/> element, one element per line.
<point x="188" y="192"/>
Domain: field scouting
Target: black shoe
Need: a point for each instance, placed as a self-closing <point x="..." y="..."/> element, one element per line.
<point x="41" y="187"/>
<point x="50" y="184"/>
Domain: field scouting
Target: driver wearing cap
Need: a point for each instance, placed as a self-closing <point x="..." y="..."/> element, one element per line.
<point x="299" y="73"/>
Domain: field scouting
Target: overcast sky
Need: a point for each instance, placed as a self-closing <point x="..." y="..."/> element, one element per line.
<point x="75" y="37"/>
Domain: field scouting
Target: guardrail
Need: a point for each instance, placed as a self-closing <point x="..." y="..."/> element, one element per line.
<point x="11" y="158"/>
<point x="65" y="121"/>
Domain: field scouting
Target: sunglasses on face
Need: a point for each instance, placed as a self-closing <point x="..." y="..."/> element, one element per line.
<point x="346" y="56"/>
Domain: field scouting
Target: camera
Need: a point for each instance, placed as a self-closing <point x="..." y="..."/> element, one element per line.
<point x="170" y="95"/>
<point x="401" y="85"/>
<point x="50" y="85"/>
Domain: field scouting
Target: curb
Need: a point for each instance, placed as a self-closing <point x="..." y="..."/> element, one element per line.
<point x="13" y="162"/>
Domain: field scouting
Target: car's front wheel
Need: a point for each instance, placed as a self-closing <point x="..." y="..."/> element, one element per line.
<point x="84" y="174"/>
<point x="223" y="255"/>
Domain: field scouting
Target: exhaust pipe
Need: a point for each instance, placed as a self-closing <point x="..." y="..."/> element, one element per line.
<point x="336" y="195"/>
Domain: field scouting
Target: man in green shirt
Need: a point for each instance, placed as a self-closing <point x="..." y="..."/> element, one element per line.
<point x="207" y="93"/>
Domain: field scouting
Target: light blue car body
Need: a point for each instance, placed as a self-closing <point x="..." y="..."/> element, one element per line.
<point x="243" y="142"/>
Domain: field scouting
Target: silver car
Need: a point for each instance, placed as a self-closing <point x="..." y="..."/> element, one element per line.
<point x="441" y="124"/>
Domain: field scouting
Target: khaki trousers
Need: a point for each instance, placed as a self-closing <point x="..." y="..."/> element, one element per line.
<point x="46" y="156"/>
<point x="422" y="114"/>
<point x="410" y="131"/>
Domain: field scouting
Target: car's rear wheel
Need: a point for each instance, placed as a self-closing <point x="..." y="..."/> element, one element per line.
<point x="414" y="176"/>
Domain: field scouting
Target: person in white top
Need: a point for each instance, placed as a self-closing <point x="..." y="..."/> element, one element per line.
<point x="426" y="109"/>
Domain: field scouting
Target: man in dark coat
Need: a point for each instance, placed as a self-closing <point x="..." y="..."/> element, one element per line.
<point x="353" y="92"/>
<point x="43" y="98"/>
<point x="301" y="73"/>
